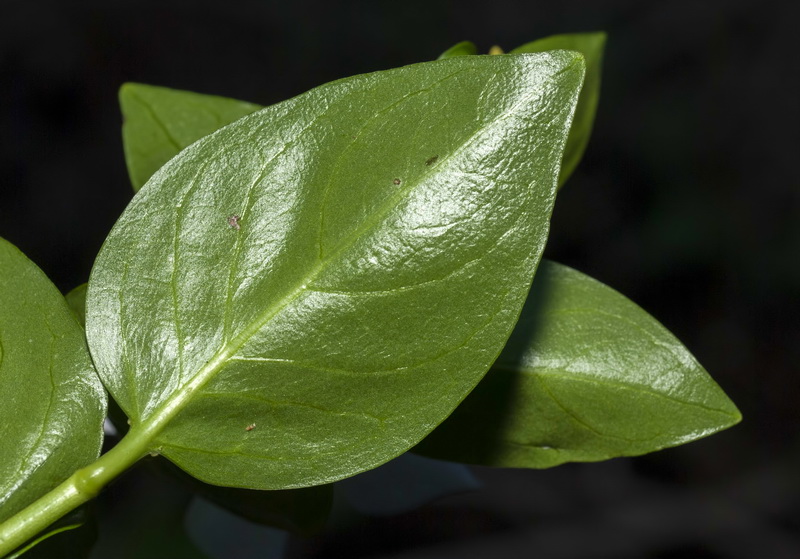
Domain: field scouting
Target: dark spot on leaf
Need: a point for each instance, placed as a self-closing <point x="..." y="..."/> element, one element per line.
<point x="233" y="221"/>
<point x="431" y="160"/>
<point x="396" y="181"/>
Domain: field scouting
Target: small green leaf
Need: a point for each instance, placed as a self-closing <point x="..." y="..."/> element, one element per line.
<point x="51" y="419"/>
<point x="306" y="293"/>
<point x="464" y="48"/>
<point x="587" y="375"/>
<point x="76" y="299"/>
<point x="159" y="122"/>
<point x="591" y="46"/>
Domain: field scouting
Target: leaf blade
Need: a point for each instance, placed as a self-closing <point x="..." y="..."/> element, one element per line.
<point x="464" y="48"/>
<point x="587" y="375"/>
<point x="53" y="403"/>
<point x="336" y="196"/>
<point x="159" y="122"/>
<point x="591" y="46"/>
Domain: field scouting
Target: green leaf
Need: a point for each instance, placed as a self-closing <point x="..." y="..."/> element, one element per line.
<point x="306" y="293"/>
<point x="587" y="375"/>
<point x="76" y="300"/>
<point x="51" y="418"/>
<point x="464" y="48"/>
<point x="159" y="122"/>
<point x="591" y="46"/>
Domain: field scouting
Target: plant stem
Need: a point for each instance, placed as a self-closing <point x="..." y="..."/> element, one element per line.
<point x="80" y="487"/>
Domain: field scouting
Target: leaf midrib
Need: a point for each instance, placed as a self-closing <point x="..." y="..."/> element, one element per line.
<point x="542" y="372"/>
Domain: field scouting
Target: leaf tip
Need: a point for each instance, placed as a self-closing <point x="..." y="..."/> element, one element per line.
<point x="127" y="90"/>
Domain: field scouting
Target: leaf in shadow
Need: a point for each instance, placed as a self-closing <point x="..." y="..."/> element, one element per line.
<point x="587" y="375"/>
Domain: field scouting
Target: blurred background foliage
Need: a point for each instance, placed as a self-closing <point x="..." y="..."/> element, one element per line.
<point x="686" y="202"/>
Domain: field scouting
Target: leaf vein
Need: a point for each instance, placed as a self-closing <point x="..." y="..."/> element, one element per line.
<point x="289" y="403"/>
<point x="157" y="119"/>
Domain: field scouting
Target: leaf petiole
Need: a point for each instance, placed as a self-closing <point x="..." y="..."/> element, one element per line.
<point x="80" y="487"/>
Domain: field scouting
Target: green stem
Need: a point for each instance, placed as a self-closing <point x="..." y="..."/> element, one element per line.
<point x="80" y="487"/>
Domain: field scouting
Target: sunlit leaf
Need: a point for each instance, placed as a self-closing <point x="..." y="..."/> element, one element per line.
<point x="306" y="293"/>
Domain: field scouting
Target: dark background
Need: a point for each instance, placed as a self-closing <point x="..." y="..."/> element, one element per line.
<point x="686" y="201"/>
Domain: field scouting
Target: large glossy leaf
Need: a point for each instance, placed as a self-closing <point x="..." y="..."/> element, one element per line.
<point x="51" y="417"/>
<point x="587" y="375"/>
<point x="306" y="293"/>
<point x="159" y="122"/>
<point x="591" y="46"/>
<point x="464" y="48"/>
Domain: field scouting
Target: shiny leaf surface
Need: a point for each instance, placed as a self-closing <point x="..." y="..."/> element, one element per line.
<point x="306" y="293"/>
<point x="464" y="48"/>
<point x="51" y="419"/>
<point x="159" y="122"/>
<point x="591" y="46"/>
<point x="587" y="375"/>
